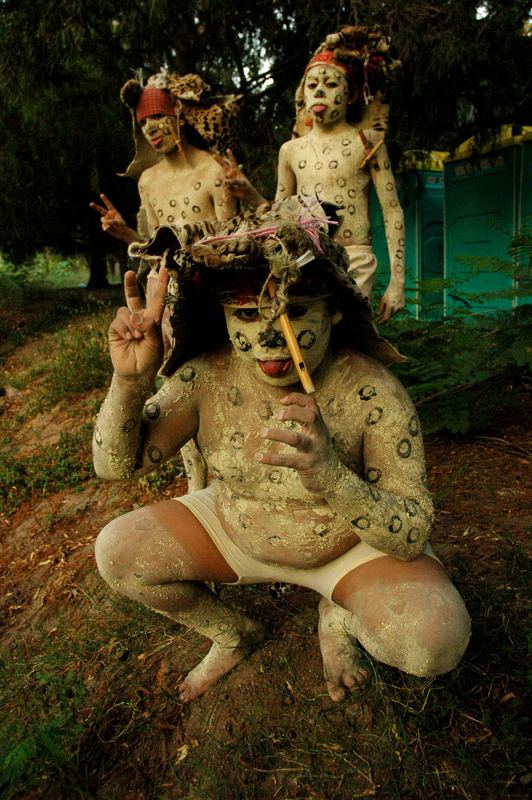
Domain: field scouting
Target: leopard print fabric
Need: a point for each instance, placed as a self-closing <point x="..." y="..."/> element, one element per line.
<point x="214" y="117"/>
<point x="217" y="123"/>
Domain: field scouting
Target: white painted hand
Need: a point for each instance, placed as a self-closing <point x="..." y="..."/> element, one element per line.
<point x="234" y="179"/>
<point x="312" y="449"/>
<point x="113" y="222"/>
<point x="393" y="300"/>
<point x="135" y="340"/>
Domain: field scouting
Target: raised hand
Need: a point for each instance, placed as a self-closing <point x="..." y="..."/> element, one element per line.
<point x="113" y="222"/>
<point x="135" y="340"/>
<point x="235" y="181"/>
<point x="312" y="449"/>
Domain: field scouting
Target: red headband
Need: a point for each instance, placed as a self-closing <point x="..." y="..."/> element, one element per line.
<point x="154" y="101"/>
<point x="328" y="58"/>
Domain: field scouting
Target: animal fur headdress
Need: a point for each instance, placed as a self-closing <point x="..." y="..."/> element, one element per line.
<point x="289" y="241"/>
<point x="213" y="117"/>
<point x="363" y="55"/>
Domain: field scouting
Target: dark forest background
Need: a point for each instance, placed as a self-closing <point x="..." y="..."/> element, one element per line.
<point x="65" y="135"/>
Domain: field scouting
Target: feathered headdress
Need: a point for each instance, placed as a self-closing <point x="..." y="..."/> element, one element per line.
<point x="290" y="241"/>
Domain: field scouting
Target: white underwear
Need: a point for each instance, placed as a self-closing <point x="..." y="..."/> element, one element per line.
<point x="363" y="262"/>
<point x="322" y="579"/>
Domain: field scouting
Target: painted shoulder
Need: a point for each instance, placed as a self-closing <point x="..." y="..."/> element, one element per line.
<point x="354" y="370"/>
<point x="290" y="147"/>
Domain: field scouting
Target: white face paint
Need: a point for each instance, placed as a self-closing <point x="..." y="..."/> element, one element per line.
<point x="326" y="93"/>
<point x="161" y="132"/>
<point x="262" y="345"/>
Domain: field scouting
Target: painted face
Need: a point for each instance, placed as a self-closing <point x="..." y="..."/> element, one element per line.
<point x="160" y="131"/>
<point x="326" y="93"/>
<point x="262" y="345"/>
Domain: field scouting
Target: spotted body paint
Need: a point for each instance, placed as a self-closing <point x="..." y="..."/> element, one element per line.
<point x="371" y="492"/>
<point x="326" y="163"/>
<point x="181" y="190"/>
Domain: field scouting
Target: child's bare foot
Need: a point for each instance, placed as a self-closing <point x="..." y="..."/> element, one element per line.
<point x="219" y="661"/>
<point x="341" y="660"/>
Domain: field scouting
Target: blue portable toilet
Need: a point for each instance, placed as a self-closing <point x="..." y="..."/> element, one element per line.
<point x="420" y="188"/>
<point x="485" y="198"/>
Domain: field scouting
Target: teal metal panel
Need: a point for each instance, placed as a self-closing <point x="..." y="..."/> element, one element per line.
<point x="430" y="203"/>
<point x="524" y="273"/>
<point x="481" y="195"/>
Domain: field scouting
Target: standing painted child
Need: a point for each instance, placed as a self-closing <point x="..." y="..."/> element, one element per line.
<point x="175" y="122"/>
<point x="323" y="490"/>
<point x="175" y="125"/>
<point x="343" y="154"/>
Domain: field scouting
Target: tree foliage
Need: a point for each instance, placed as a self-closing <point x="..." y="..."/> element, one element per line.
<point x="62" y="62"/>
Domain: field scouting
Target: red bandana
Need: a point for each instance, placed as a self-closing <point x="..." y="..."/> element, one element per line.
<point x="154" y="101"/>
<point x="328" y="58"/>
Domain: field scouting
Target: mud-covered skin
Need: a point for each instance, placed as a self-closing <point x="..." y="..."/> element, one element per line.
<point x="373" y="488"/>
<point x="325" y="94"/>
<point x="325" y="163"/>
<point x="294" y="486"/>
<point x="255" y="341"/>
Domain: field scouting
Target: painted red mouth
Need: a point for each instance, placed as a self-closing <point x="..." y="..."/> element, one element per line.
<point x="157" y="142"/>
<point x="319" y="108"/>
<point x="277" y="368"/>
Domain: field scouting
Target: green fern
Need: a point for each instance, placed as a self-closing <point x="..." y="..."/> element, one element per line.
<point x="461" y="372"/>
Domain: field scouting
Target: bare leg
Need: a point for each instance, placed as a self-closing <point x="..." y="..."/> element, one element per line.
<point x="407" y="614"/>
<point x="338" y="645"/>
<point x="195" y="466"/>
<point x="234" y="637"/>
<point x="159" y="556"/>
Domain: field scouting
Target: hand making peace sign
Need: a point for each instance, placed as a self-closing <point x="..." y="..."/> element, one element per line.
<point x="135" y="340"/>
<point x="235" y="181"/>
<point x="113" y="222"/>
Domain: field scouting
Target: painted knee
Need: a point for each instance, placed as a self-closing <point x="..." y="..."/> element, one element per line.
<point x="438" y="641"/>
<point x="421" y="630"/>
<point x="125" y="563"/>
<point x="113" y="554"/>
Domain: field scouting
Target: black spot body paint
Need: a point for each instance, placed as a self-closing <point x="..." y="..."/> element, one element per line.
<point x="242" y="342"/>
<point x="306" y="339"/>
<point x="152" y="410"/>
<point x="271" y="338"/>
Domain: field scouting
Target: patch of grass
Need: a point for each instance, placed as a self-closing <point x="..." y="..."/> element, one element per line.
<point x="47" y="269"/>
<point x="80" y="362"/>
<point x="42" y="742"/>
<point x="72" y="361"/>
<point x="64" y="716"/>
<point x="461" y="735"/>
<point x="48" y="470"/>
<point x="32" y="310"/>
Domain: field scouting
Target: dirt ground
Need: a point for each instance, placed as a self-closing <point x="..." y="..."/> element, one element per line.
<point x="268" y="730"/>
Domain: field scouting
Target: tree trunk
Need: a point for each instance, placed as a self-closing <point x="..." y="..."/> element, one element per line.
<point x="98" y="269"/>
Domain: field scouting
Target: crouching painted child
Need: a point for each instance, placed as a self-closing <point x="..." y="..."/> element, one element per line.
<point x="324" y="490"/>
